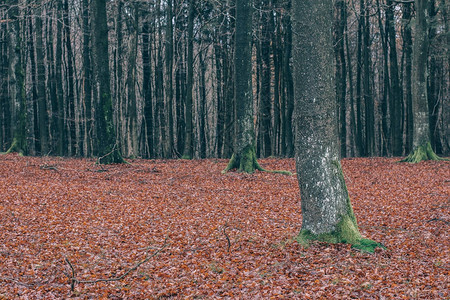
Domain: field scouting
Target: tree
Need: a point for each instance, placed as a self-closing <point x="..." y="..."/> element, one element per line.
<point x="244" y="155"/>
<point x="327" y="212"/>
<point x="188" y="143"/>
<point x="17" y="82"/>
<point x="421" y="127"/>
<point x="107" y="149"/>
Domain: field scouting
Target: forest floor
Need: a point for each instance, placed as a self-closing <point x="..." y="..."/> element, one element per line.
<point x="193" y="232"/>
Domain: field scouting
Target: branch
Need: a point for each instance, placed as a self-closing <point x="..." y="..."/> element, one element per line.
<point x="74" y="280"/>
<point x="226" y="235"/>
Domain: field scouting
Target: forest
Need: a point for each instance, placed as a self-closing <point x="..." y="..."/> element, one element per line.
<point x="170" y="77"/>
<point x="264" y="149"/>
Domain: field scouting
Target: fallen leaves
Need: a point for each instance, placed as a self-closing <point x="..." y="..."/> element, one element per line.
<point x="229" y="235"/>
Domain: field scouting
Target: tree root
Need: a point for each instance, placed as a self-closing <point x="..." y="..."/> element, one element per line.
<point x="423" y="152"/>
<point x="246" y="162"/>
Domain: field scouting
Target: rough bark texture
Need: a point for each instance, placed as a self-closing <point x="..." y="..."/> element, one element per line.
<point x="244" y="150"/>
<point x="421" y="128"/>
<point x="326" y="208"/>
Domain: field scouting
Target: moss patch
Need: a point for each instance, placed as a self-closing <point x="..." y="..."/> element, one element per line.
<point x="347" y="232"/>
<point x="366" y="245"/>
<point x="246" y="162"/>
<point x="423" y="152"/>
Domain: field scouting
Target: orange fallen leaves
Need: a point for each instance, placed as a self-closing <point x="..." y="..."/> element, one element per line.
<point x="105" y="222"/>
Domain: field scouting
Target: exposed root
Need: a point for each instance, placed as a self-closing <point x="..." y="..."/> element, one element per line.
<point x="423" y="152"/>
<point x="247" y="162"/>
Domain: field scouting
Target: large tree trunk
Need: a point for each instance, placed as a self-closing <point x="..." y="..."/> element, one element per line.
<point x="326" y="208"/>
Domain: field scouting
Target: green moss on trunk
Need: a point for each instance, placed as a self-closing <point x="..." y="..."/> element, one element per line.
<point x="423" y="152"/>
<point x="246" y="162"/>
<point x="346" y="232"/>
<point x="15" y="147"/>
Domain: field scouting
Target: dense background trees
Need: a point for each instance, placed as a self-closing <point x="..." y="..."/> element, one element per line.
<point x="172" y="84"/>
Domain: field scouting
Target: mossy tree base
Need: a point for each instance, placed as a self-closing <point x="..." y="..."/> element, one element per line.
<point x="305" y="238"/>
<point x="15" y="147"/>
<point x="423" y="152"/>
<point x="346" y="232"/>
<point x="246" y="162"/>
<point x="113" y="157"/>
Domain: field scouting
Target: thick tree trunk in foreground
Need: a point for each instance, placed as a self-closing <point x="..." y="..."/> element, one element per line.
<point x="421" y="128"/>
<point x="327" y="212"/>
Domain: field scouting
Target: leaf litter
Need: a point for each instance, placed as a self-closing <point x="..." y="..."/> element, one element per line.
<point x="217" y="235"/>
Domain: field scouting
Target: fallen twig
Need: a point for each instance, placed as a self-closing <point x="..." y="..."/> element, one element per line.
<point x="31" y="284"/>
<point x="226" y="235"/>
<point x="74" y="280"/>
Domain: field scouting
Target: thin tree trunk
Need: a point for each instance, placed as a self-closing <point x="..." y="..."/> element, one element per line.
<point x="188" y="143"/>
<point x="41" y="89"/>
<point x="147" y="89"/>
<point x="169" y="74"/>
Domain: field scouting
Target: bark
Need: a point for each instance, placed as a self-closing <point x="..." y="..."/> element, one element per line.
<point x="407" y="49"/>
<point x="107" y="149"/>
<point x="147" y="90"/>
<point x="421" y="127"/>
<point x="169" y="82"/>
<point x="395" y="91"/>
<point x="265" y="105"/>
<point x="188" y="142"/>
<point x="133" y="144"/>
<point x="341" y="73"/>
<point x="385" y="133"/>
<point x="244" y="148"/>
<point x="16" y="83"/>
<point x="326" y="209"/>
<point x="244" y="154"/>
<point x="87" y="82"/>
<point x="367" y="89"/>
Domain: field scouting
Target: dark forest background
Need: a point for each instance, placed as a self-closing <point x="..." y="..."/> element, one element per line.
<point x="171" y="76"/>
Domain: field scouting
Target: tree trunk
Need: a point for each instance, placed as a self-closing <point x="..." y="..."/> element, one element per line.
<point x="244" y="155"/>
<point x="147" y="89"/>
<point x="70" y="75"/>
<point x="87" y="82"/>
<point x="133" y="145"/>
<point x="407" y="49"/>
<point x="188" y="143"/>
<point x="326" y="208"/>
<point x="107" y="150"/>
<point x="265" y="105"/>
<point x="395" y="91"/>
<point x="16" y="83"/>
<point x="41" y="89"/>
<point x="421" y="127"/>
<point x="169" y="82"/>
<point x="341" y="73"/>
